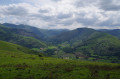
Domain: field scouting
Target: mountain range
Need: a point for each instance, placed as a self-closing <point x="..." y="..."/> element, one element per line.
<point x="114" y="32"/>
<point x="21" y="37"/>
<point x="81" y="42"/>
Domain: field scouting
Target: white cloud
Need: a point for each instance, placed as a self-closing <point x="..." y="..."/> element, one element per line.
<point x="69" y="14"/>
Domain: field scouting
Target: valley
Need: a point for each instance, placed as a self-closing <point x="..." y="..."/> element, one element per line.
<point x="16" y="62"/>
<point x="82" y="53"/>
<point x="78" y="44"/>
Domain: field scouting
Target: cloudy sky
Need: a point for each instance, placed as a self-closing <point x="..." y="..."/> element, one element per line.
<point x="60" y="14"/>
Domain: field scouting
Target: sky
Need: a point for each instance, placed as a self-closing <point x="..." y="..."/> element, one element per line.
<point x="62" y="14"/>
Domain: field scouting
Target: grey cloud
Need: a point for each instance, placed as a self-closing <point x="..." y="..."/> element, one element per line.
<point x="109" y="22"/>
<point x="66" y="22"/>
<point x="94" y="21"/>
<point x="106" y="23"/>
<point x="83" y="3"/>
<point x="63" y="16"/>
<point x="15" y="10"/>
<point x="56" y="0"/>
<point x="52" y="25"/>
<point x="47" y="18"/>
<point x="43" y="17"/>
<point x="86" y="21"/>
<point x="43" y="11"/>
<point x="110" y="5"/>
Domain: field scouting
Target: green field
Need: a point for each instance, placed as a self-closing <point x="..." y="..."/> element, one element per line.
<point x="16" y="63"/>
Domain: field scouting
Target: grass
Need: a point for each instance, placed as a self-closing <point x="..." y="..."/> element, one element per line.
<point x="18" y="64"/>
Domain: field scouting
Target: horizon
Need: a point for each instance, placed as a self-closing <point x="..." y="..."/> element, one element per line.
<point x="62" y="14"/>
<point x="59" y="28"/>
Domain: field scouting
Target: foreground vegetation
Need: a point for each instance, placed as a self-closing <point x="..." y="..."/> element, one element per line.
<point x="16" y="63"/>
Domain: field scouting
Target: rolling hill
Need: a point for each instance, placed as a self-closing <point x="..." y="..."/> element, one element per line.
<point x="83" y="34"/>
<point x="103" y="46"/>
<point x="79" y="34"/>
<point x="16" y="63"/>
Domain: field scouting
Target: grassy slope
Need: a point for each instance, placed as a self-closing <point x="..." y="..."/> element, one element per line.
<point x="15" y="64"/>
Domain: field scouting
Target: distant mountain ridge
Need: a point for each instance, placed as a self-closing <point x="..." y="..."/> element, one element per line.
<point x="25" y="27"/>
<point x="46" y="33"/>
<point x="21" y="37"/>
<point x="42" y="33"/>
<point x="114" y="32"/>
<point x="75" y="35"/>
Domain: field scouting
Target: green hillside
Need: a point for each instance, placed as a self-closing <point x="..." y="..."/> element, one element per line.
<point x="20" y="37"/>
<point x="103" y="46"/>
<point x="15" y="63"/>
<point x="9" y="47"/>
